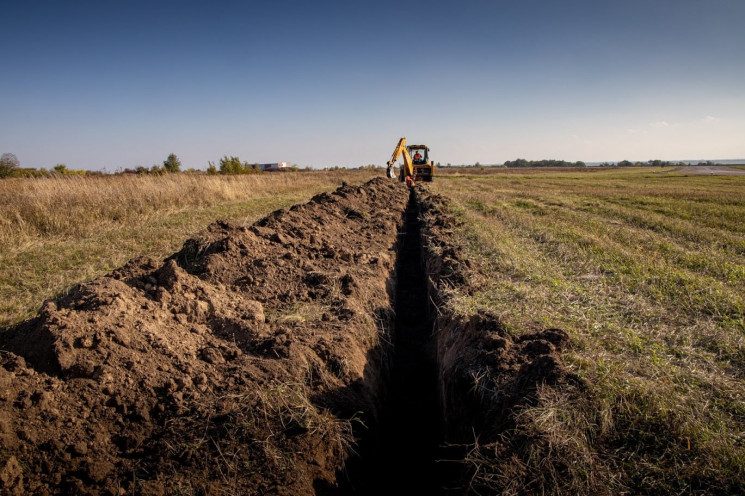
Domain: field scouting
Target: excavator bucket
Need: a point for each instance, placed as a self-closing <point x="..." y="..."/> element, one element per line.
<point x="390" y="173"/>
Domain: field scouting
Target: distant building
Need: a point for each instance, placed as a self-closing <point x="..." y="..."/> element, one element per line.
<point x="275" y="166"/>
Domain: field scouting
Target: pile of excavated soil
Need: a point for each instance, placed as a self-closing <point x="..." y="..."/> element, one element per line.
<point x="236" y="366"/>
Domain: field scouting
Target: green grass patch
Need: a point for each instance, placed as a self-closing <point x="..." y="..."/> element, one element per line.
<point x="646" y="272"/>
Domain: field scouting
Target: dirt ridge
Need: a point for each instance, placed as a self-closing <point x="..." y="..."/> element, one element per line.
<point x="235" y="365"/>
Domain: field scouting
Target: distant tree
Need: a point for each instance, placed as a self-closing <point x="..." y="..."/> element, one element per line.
<point x="521" y="162"/>
<point x="233" y="165"/>
<point x="156" y="169"/>
<point x="172" y="163"/>
<point x="230" y="165"/>
<point x="9" y="163"/>
<point x="62" y="169"/>
<point x="211" y="169"/>
<point x="141" y="170"/>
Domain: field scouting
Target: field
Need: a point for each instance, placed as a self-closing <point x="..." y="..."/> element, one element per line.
<point x="645" y="270"/>
<point x="56" y="232"/>
<point x="538" y="332"/>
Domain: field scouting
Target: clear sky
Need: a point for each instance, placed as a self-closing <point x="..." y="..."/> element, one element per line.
<point x="112" y="84"/>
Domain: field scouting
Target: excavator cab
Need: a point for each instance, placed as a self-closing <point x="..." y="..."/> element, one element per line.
<point x="423" y="167"/>
<point x="419" y="154"/>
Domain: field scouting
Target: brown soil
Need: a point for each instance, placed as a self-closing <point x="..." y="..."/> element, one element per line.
<point x="231" y="367"/>
<point x="253" y="360"/>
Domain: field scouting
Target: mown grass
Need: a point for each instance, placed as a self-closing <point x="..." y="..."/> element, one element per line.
<point x="645" y="269"/>
<point x="59" y="231"/>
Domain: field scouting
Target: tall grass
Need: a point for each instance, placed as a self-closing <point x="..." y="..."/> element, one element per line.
<point x="81" y="205"/>
<point x="58" y="231"/>
<point x="646" y="271"/>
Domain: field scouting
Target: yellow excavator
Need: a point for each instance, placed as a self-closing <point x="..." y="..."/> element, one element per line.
<point x="416" y="168"/>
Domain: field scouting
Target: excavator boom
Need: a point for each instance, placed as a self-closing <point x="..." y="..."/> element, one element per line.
<point x="397" y="152"/>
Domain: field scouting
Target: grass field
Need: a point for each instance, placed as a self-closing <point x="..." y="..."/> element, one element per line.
<point x="646" y="272"/>
<point x="59" y="231"/>
<point x="643" y="268"/>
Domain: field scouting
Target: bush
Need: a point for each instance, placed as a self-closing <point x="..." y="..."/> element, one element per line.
<point x="233" y="165"/>
<point x="172" y="163"/>
<point x="9" y="163"/>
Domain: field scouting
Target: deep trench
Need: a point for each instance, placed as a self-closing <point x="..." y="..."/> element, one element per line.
<point x="400" y="457"/>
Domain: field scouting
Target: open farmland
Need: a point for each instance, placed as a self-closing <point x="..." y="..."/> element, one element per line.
<point x="588" y="339"/>
<point x="645" y="270"/>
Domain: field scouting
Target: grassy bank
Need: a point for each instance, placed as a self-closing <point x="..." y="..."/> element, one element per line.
<point x="646" y="272"/>
<point x="58" y="231"/>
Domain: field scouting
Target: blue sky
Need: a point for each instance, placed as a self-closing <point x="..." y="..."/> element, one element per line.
<point x="107" y="85"/>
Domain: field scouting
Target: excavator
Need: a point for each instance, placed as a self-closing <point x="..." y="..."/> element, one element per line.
<point x="416" y="168"/>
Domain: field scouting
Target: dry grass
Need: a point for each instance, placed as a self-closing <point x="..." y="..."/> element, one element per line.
<point x="240" y="441"/>
<point x="646" y="272"/>
<point x="58" y="231"/>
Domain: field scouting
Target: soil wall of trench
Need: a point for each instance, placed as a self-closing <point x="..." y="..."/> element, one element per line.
<point x="262" y="360"/>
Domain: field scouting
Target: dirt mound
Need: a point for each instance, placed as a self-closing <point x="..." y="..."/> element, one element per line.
<point x="234" y="366"/>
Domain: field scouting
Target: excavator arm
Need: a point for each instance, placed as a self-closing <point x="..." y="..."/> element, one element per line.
<point x="408" y="165"/>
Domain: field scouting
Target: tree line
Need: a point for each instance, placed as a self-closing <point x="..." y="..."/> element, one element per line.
<point x="521" y="162"/>
<point x="10" y="166"/>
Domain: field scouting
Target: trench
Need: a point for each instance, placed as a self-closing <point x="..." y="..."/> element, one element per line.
<point x="400" y="456"/>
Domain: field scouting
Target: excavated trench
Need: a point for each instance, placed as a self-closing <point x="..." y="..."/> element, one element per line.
<point x="400" y="455"/>
<point x="234" y="365"/>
